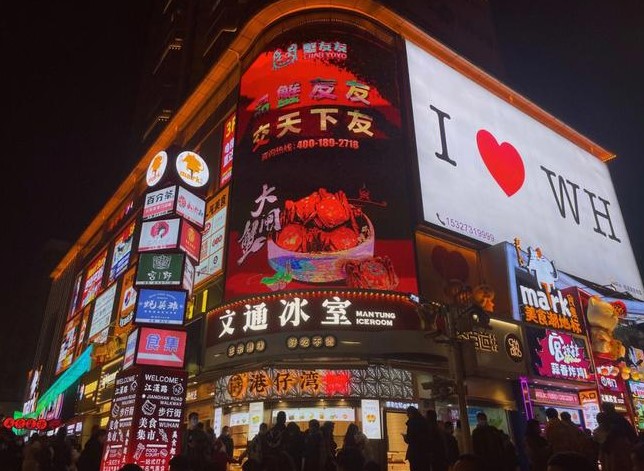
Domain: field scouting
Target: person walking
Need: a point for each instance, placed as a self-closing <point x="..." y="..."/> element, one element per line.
<point x="314" y="449"/>
<point x="436" y="443"/>
<point x="452" y="451"/>
<point x="488" y="444"/>
<point x="416" y="438"/>
<point x="536" y="446"/>
<point x="227" y="440"/>
<point x="351" y="457"/>
<point x="330" y="447"/>
<point x="275" y="444"/>
<point x="294" y="446"/>
<point x="561" y="436"/>
<point x="62" y="451"/>
<point x="254" y="450"/>
<point x="620" y="440"/>
<point x="90" y="458"/>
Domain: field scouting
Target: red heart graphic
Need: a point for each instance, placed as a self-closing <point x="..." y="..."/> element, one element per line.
<point x="502" y="161"/>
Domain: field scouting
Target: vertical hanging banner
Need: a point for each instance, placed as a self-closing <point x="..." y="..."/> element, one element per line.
<point x="213" y="238"/>
<point x="145" y="418"/>
<point x="227" y="150"/>
<point x="320" y="194"/>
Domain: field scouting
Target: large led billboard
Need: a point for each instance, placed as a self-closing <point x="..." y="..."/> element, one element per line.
<point x="121" y="252"/>
<point x="320" y="195"/>
<point x="94" y="278"/>
<point x="103" y="310"/>
<point x="491" y="172"/>
<point x="213" y="238"/>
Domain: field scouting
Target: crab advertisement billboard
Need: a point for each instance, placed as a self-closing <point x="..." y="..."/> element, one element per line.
<point x="320" y="195"/>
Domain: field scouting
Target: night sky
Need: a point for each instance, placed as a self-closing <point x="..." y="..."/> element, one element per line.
<point x="71" y="74"/>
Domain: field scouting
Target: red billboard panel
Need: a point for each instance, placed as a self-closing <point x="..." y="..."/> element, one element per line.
<point x="161" y="347"/>
<point x="321" y="192"/>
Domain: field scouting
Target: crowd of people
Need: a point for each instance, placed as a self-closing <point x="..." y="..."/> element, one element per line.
<point x="283" y="447"/>
<point x="432" y="445"/>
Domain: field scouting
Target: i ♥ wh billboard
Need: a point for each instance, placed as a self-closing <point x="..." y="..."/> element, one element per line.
<point x="491" y="172"/>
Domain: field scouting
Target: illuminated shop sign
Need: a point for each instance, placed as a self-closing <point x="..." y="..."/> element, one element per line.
<point x="603" y="318"/>
<point x="33" y="381"/>
<point x="190" y="241"/>
<point x="160" y="347"/>
<point x="213" y="238"/>
<point x="227" y="150"/>
<point x="637" y="389"/>
<point x="612" y="387"/>
<point x="504" y="162"/>
<point x="121" y="253"/>
<point x="87" y="390"/>
<point x="103" y="310"/>
<point x="551" y="396"/>
<point x="192" y="169"/>
<point x="540" y="301"/>
<point x="75" y="294"/>
<point x="159" y="235"/>
<point x="93" y="279"/>
<point x="319" y="310"/>
<point x="191" y="207"/>
<point x="165" y="269"/>
<point x="370" y="414"/>
<point x="160" y="307"/>
<point x="320" y="195"/>
<point x="68" y="345"/>
<point x="107" y="380"/>
<point x="590" y="407"/>
<point x="272" y="383"/>
<point x="30" y="424"/>
<point x="559" y="355"/>
<point x="127" y="303"/>
<point x="156" y="168"/>
<point x="159" y="203"/>
<point x="322" y="414"/>
<point x="145" y="419"/>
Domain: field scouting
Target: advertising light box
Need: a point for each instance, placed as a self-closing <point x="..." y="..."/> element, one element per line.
<point x="160" y="307"/>
<point x="75" y="293"/>
<point x="68" y="345"/>
<point x="227" y="150"/>
<point x="130" y="349"/>
<point x="192" y="169"/>
<point x="156" y="168"/>
<point x="213" y="238"/>
<point x="191" y="207"/>
<point x="559" y="355"/>
<point x="121" y="253"/>
<point x="94" y="279"/>
<point x="127" y="303"/>
<point x="159" y="203"/>
<point x="161" y="347"/>
<point x="103" y="309"/>
<point x="159" y="235"/>
<point x="487" y="169"/>
<point x="370" y="414"/>
<point x="160" y="269"/>
<point x="190" y="240"/>
<point x="320" y="195"/>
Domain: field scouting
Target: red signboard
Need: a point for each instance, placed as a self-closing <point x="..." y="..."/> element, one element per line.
<point x="559" y="355"/>
<point x="227" y="150"/>
<point x="161" y="347"/>
<point x="550" y="396"/>
<point x="190" y="241"/>
<point x="94" y="278"/>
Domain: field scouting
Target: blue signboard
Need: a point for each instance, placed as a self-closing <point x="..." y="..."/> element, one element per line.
<point x="155" y="306"/>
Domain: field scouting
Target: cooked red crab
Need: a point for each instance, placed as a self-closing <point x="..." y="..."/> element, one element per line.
<point x="293" y="237"/>
<point x="342" y="238"/>
<point x="371" y="273"/>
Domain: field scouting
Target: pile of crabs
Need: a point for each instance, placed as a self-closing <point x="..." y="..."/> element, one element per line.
<point x="327" y="222"/>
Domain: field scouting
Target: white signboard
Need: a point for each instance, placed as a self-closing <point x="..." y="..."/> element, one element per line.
<point x="191" y="207"/>
<point x="493" y="173"/>
<point x="159" y="203"/>
<point x="158" y="235"/>
<point x="217" y="425"/>
<point x="213" y="238"/>
<point x="103" y="308"/>
<point x="255" y="418"/>
<point x="156" y="169"/>
<point x="370" y="414"/>
<point x="188" y="276"/>
<point x="192" y="169"/>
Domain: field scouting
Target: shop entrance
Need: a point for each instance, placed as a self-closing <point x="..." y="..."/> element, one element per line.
<point x="395" y="425"/>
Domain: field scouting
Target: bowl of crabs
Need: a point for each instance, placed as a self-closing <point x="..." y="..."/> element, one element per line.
<point x="323" y="238"/>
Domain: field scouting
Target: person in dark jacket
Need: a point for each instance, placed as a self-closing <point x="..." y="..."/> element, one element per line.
<point x="294" y="446"/>
<point x="273" y="455"/>
<point x="436" y="443"/>
<point x="537" y="447"/>
<point x="487" y="442"/>
<point x="314" y="449"/>
<point x="62" y="451"/>
<point x="90" y="458"/>
<point x="416" y="438"/>
<point x="227" y="440"/>
<point x="451" y="444"/>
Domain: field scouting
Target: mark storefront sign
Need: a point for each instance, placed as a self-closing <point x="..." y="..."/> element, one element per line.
<point x="156" y="306"/>
<point x="271" y="383"/>
<point x="312" y="311"/>
<point x="559" y="355"/>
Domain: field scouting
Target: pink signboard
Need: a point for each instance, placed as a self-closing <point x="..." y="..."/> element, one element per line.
<point x="161" y="347"/>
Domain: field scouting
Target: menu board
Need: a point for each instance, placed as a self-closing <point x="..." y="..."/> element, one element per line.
<point x="120" y="428"/>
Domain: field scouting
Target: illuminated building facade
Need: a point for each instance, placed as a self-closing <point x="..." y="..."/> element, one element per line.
<point x="337" y="172"/>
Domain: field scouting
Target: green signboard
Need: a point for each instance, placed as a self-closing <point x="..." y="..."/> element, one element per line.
<point x="163" y="269"/>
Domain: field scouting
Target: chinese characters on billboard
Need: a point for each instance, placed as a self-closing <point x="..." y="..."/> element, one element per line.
<point x="68" y="345"/>
<point x="93" y="279"/>
<point x="103" y="309"/>
<point x="191" y="207"/>
<point x="161" y="347"/>
<point x="213" y="238"/>
<point x="559" y="355"/>
<point x="127" y="303"/>
<point x="159" y="203"/>
<point x="159" y="235"/>
<point x="320" y="191"/>
<point x="227" y="150"/>
<point x="160" y="307"/>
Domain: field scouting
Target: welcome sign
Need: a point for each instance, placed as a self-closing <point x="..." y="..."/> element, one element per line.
<point x="488" y="170"/>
